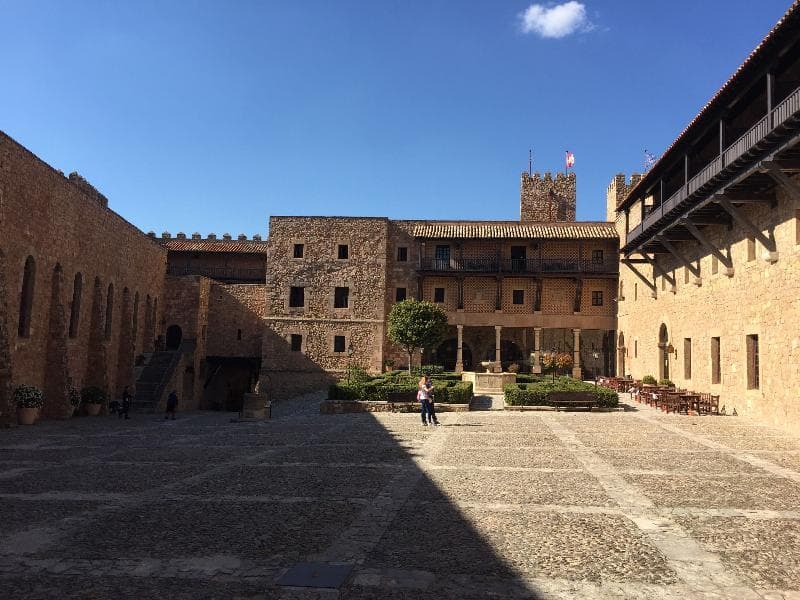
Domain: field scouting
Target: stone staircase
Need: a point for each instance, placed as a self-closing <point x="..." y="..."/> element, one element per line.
<point x="152" y="379"/>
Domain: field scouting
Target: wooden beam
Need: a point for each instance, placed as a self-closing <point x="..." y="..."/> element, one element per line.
<point x="681" y="258"/>
<point x="647" y="282"/>
<point x="790" y="186"/>
<point x="748" y="197"/>
<point x="737" y="215"/>
<point x="721" y="220"/>
<point x="708" y="246"/>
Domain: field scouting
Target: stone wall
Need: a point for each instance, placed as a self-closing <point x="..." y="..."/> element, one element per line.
<point x="236" y="315"/>
<point x="617" y="191"/>
<point x="547" y="198"/>
<point x="68" y="229"/>
<point x="759" y="299"/>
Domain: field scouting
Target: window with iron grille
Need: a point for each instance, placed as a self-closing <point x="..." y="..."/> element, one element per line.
<point x="402" y="254"/>
<point x="597" y="257"/>
<point x="518" y="297"/>
<point x="343" y="252"/>
<point x="297" y="297"/>
<point x="715" y="360"/>
<point x="297" y="342"/>
<point x="298" y="251"/>
<point x="338" y="343"/>
<point x="438" y="294"/>
<point x="597" y="298"/>
<point x="399" y="294"/>
<point x="341" y="297"/>
<point x="687" y="358"/>
<point x="752" y="362"/>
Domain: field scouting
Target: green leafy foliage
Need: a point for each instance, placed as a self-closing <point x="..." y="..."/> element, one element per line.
<point x="401" y="387"/>
<point x="666" y="382"/>
<point x="649" y="380"/>
<point x="93" y="395"/>
<point x="427" y="370"/>
<point x="28" y="396"/>
<point x="416" y="324"/>
<point x="535" y="394"/>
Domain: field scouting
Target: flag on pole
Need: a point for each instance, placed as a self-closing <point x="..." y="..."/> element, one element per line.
<point x="570" y="159"/>
<point x="649" y="160"/>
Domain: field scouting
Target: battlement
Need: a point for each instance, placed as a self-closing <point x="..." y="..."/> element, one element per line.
<point x="617" y="191"/>
<point x="211" y="237"/>
<point x="547" y="197"/>
<point x="88" y="189"/>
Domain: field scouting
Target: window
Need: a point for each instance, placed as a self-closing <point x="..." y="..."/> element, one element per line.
<point x="752" y="362"/>
<point x="341" y="297"/>
<point x="343" y="253"/>
<point x="797" y="226"/>
<point x="296" y="342"/>
<point x="26" y="298"/>
<point x="338" y="343"/>
<point x="751" y="249"/>
<point x="663" y="283"/>
<point x="687" y="358"/>
<point x="621" y="293"/>
<point x="399" y="294"/>
<point x="402" y="254"/>
<point x="518" y="297"/>
<point x="238" y="334"/>
<point x="442" y="257"/>
<point x="438" y="294"/>
<point x="297" y="297"/>
<point x="518" y="258"/>
<point x="75" y="309"/>
<point x="597" y="257"/>
<point x="685" y="274"/>
<point x="597" y="298"/>
<point x="298" y="251"/>
<point x="109" y="311"/>
<point x="635" y="290"/>
<point x="715" y="370"/>
<point x="635" y="348"/>
<point x="714" y="264"/>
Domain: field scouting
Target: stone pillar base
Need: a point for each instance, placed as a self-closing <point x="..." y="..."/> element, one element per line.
<point x="459" y="368"/>
<point x="497" y="368"/>
<point x="576" y="373"/>
<point x="537" y="369"/>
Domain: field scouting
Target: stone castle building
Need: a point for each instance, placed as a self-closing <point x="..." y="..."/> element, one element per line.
<point x="693" y="277"/>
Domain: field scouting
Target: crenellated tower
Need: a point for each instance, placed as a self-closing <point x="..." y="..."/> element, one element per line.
<point x="547" y="198"/>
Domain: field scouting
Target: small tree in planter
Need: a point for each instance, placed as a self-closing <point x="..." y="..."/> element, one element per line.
<point x="416" y="324"/>
<point x="556" y="362"/>
<point x="94" y="398"/>
<point x="74" y="397"/>
<point x="30" y="401"/>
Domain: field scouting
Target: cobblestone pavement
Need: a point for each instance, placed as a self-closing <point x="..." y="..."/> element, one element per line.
<point x="633" y="504"/>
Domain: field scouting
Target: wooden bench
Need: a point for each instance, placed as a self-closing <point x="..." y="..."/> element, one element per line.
<point x="572" y="400"/>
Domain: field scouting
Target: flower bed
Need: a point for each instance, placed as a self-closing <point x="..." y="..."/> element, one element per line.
<point x="537" y="394"/>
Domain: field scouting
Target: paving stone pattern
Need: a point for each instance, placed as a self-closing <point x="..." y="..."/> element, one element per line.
<point x="631" y="504"/>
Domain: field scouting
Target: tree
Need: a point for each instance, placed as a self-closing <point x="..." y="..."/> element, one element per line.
<point x="416" y="324"/>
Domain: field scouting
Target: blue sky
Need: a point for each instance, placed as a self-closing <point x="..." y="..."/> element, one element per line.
<point x="211" y="116"/>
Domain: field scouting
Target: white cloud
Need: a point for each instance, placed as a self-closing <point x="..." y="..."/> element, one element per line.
<point x="555" y="21"/>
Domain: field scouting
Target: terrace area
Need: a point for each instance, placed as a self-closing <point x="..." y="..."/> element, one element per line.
<point x="634" y="504"/>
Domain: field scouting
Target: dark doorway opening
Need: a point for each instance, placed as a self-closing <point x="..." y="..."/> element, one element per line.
<point x="174" y="336"/>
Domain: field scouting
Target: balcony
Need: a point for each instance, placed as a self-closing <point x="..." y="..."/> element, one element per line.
<point x="759" y="139"/>
<point x="224" y="274"/>
<point x="519" y="266"/>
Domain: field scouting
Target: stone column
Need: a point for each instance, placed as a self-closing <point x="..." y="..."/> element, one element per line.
<point x="537" y="350"/>
<point x="459" y="356"/>
<point x="576" y="353"/>
<point x="497" y="366"/>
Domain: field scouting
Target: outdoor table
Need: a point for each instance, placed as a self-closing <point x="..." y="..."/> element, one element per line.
<point x="692" y="402"/>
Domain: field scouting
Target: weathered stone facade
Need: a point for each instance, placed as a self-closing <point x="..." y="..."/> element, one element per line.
<point x="547" y="198"/>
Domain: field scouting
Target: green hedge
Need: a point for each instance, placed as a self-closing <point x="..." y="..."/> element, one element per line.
<point x="535" y="394"/>
<point x="400" y="390"/>
<point x="525" y="378"/>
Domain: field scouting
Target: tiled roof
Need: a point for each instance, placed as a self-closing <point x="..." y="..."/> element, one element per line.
<point x="725" y="87"/>
<point x="515" y="230"/>
<point x="240" y="246"/>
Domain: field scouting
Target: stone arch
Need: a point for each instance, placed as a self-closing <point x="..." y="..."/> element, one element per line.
<point x="26" y="297"/>
<point x="126" y="352"/>
<point x="621" y="355"/>
<point x="57" y="379"/>
<point x="445" y="355"/>
<point x="8" y="413"/>
<point x="75" y="307"/>
<point x="663" y="354"/>
<point x="174" y="336"/>
<point x="96" y="366"/>
<point x="109" y="326"/>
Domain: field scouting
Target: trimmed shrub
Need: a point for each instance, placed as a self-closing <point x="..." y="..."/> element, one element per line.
<point x="535" y="394"/>
<point x="649" y="380"/>
<point x="343" y="391"/>
<point x="28" y="396"/>
<point x="526" y="378"/>
<point x="666" y="382"/>
<point x="427" y="370"/>
<point x="93" y="395"/>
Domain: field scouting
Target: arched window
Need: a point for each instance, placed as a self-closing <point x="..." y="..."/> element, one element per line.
<point x="109" y="311"/>
<point x="75" y="310"/>
<point x="26" y="298"/>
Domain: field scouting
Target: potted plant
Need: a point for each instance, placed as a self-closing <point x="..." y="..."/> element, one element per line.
<point x="74" y="397"/>
<point x="29" y="401"/>
<point x="93" y="398"/>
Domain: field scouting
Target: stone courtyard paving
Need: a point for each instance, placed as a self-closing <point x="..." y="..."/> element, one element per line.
<point x="633" y="504"/>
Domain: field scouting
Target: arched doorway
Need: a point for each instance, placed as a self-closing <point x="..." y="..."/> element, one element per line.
<point x="510" y="353"/>
<point x="621" y="355"/>
<point x="447" y="352"/>
<point x="174" y="335"/>
<point x="663" y="354"/>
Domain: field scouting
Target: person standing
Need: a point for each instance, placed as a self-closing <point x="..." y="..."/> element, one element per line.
<point x="172" y="402"/>
<point x="422" y="396"/>
<point x="432" y="420"/>
<point x="127" y="399"/>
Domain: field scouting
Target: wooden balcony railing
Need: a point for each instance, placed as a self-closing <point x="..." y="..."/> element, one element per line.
<point x="787" y="109"/>
<point x="518" y="265"/>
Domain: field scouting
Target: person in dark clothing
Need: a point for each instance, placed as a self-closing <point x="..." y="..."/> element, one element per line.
<point x="432" y="420"/>
<point x="127" y="399"/>
<point x="172" y="402"/>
